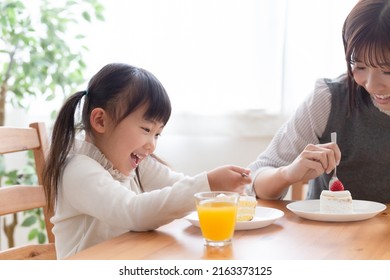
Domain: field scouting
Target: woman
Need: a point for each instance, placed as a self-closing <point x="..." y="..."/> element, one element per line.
<point x="356" y="105"/>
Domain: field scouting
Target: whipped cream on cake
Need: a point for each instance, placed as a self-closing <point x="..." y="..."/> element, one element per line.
<point x="336" y="202"/>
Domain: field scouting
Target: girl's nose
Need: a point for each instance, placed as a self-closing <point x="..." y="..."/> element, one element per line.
<point x="150" y="145"/>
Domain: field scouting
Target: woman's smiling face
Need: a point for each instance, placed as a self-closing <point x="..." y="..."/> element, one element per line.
<point x="376" y="81"/>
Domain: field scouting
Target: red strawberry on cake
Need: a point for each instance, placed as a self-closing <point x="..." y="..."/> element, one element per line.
<point x="337" y="186"/>
<point x="336" y="200"/>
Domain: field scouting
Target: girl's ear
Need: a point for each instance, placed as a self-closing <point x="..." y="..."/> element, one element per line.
<point x="98" y="120"/>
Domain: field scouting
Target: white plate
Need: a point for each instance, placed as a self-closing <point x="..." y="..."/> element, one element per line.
<point x="264" y="216"/>
<point x="310" y="209"/>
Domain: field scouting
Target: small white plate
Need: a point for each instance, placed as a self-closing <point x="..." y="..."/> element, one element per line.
<point x="310" y="209"/>
<point x="264" y="216"/>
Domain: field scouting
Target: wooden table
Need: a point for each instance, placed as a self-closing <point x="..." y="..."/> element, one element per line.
<point x="290" y="237"/>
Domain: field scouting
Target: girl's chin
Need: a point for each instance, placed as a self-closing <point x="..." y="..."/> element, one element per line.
<point x="131" y="169"/>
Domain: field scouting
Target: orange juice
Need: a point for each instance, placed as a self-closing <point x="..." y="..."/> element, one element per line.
<point x="217" y="219"/>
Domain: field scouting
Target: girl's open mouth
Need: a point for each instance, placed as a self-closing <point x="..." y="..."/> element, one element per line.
<point x="135" y="160"/>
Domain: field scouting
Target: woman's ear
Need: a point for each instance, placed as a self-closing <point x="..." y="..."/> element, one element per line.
<point x="98" y="120"/>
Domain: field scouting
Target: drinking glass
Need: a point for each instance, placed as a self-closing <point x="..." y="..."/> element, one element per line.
<point x="217" y="213"/>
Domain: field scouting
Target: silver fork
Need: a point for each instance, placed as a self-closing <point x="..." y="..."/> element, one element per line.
<point x="333" y="137"/>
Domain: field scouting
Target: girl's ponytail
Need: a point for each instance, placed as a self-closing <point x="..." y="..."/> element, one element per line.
<point x="62" y="139"/>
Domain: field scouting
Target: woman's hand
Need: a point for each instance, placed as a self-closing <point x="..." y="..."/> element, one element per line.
<point x="313" y="161"/>
<point x="229" y="178"/>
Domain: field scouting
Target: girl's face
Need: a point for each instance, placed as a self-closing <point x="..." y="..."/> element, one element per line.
<point x="376" y="81"/>
<point x="128" y="143"/>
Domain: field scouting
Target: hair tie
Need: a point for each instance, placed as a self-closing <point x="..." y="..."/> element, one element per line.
<point x="85" y="93"/>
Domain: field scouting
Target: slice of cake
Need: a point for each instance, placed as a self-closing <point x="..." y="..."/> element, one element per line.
<point x="336" y="202"/>
<point x="246" y="208"/>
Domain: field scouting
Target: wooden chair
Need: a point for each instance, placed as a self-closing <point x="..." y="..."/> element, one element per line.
<point x="19" y="198"/>
<point x="298" y="190"/>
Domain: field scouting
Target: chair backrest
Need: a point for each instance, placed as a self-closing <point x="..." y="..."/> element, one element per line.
<point x="17" y="198"/>
<point x="298" y="190"/>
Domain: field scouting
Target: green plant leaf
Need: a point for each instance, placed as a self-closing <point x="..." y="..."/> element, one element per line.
<point x="42" y="224"/>
<point x="11" y="177"/>
<point x="33" y="234"/>
<point x="37" y="61"/>
<point x="2" y="166"/>
<point x="86" y="16"/>
<point x="41" y="238"/>
<point x="30" y="220"/>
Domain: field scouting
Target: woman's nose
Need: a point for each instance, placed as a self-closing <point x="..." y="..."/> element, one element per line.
<point x="374" y="83"/>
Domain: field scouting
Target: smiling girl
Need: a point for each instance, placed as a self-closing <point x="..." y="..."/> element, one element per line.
<point x="108" y="182"/>
<point x="355" y="105"/>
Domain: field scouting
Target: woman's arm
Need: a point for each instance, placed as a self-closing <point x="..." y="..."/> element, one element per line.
<point x="294" y="153"/>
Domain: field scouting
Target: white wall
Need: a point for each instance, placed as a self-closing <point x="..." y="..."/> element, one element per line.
<point x="194" y="154"/>
<point x="192" y="144"/>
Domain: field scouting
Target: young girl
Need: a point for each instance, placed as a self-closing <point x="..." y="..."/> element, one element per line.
<point x="111" y="183"/>
<point x="355" y="105"/>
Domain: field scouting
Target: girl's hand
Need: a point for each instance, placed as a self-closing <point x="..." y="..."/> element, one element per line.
<point x="312" y="162"/>
<point x="229" y="178"/>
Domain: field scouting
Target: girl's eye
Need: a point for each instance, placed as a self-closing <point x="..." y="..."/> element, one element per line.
<point x="146" y="129"/>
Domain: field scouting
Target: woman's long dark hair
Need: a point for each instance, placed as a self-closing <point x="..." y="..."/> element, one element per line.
<point x="117" y="88"/>
<point x="366" y="35"/>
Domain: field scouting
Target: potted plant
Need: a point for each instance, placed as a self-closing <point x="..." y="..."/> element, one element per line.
<point x="36" y="59"/>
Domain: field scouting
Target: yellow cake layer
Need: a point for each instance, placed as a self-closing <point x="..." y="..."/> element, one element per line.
<point x="246" y="208"/>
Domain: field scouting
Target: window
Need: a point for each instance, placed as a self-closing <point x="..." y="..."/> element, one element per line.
<point x="218" y="56"/>
<point x="223" y="57"/>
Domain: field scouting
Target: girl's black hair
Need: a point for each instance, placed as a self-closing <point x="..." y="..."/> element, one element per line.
<point x="366" y="37"/>
<point x="119" y="89"/>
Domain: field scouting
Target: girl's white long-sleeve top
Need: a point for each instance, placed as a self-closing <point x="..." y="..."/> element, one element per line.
<point x="96" y="203"/>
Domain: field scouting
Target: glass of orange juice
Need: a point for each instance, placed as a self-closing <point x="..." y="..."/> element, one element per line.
<point x="217" y="213"/>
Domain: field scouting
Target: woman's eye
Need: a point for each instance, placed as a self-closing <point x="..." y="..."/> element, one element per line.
<point x="386" y="71"/>
<point x="358" y="67"/>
